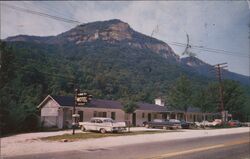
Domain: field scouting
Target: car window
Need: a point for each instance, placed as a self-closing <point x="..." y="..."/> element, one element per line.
<point x="98" y="121"/>
<point x="108" y="121"/>
<point x="92" y="121"/>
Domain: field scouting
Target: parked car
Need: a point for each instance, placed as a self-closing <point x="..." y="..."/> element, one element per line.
<point x="203" y="123"/>
<point x="182" y="124"/>
<point x="185" y="125"/>
<point x="217" y="122"/>
<point x="144" y="123"/>
<point x="247" y="124"/>
<point x="234" y="123"/>
<point x="162" y="124"/>
<point x="102" y="125"/>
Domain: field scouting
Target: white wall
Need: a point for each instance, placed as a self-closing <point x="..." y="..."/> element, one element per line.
<point x="49" y="121"/>
<point x="88" y="113"/>
<point x="50" y="114"/>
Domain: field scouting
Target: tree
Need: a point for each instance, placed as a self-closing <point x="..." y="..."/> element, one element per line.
<point x="204" y="99"/>
<point x="180" y="95"/>
<point x="6" y="64"/>
<point x="234" y="98"/>
<point x="129" y="107"/>
<point x="6" y="75"/>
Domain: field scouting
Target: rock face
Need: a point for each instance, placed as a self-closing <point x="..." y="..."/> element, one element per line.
<point x="116" y="31"/>
<point x="112" y="32"/>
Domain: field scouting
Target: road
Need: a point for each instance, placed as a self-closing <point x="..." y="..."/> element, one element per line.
<point x="234" y="146"/>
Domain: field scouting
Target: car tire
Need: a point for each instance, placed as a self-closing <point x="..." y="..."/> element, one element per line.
<point x="103" y="131"/>
<point x="83" y="128"/>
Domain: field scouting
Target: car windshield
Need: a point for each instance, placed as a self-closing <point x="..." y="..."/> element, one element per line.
<point x="158" y="120"/>
<point x="108" y="121"/>
<point x="174" y="120"/>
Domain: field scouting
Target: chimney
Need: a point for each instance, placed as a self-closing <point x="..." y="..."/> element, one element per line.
<point x="159" y="101"/>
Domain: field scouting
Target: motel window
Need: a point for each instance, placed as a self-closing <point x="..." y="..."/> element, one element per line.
<point x="155" y="116"/>
<point x="113" y="115"/>
<point x="102" y="114"/>
<point x="95" y="114"/>
<point x="143" y="115"/>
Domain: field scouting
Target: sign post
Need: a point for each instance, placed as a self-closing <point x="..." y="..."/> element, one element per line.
<point x="80" y="100"/>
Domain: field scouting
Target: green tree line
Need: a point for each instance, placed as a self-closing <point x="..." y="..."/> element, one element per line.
<point x="185" y="94"/>
<point x="29" y="72"/>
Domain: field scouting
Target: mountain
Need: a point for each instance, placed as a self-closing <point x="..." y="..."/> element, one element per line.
<point x="111" y="50"/>
<point x="107" y="59"/>
<point x="112" y="32"/>
<point x="202" y="68"/>
<point x="116" y="32"/>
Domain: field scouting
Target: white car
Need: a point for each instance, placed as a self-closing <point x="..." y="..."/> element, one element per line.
<point x="204" y="123"/>
<point x="102" y="125"/>
<point x="217" y="122"/>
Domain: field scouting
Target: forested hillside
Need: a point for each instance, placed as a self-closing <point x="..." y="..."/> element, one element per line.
<point x="109" y="68"/>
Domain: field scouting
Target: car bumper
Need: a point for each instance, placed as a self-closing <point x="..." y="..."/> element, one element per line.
<point x="119" y="129"/>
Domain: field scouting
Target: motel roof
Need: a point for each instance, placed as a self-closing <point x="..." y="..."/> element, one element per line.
<point x="68" y="101"/>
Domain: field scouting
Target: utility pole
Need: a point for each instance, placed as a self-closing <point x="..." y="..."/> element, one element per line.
<point x="74" y="110"/>
<point x="218" y="68"/>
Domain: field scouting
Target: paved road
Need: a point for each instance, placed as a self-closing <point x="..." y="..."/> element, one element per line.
<point x="235" y="146"/>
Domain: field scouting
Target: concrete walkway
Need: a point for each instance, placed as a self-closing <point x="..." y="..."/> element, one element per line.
<point x="30" y="143"/>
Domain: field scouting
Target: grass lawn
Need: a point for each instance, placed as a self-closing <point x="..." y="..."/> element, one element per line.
<point x="88" y="135"/>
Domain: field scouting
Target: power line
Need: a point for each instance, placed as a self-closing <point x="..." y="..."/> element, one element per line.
<point x="199" y="47"/>
<point x="46" y="8"/>
<point x="42" y="14"/>
<point x="206" y="48"/>
<point x="202" y="48"/>
<point x="209" y="50"/>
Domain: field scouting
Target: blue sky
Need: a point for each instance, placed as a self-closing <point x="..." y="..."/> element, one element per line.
<point x="213" y="24"/>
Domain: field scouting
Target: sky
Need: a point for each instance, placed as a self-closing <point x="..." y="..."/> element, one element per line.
<point x="220" y="25"/>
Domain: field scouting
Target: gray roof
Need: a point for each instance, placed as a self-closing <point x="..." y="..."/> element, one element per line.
<point x="110" y="104"/>
<point x="64" y="100"/>
<point x="193" y="110"/>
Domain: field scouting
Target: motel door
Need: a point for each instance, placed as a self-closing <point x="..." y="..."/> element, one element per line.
<point x="134" y="119"/>
<point x="81" y="116"/>
<point x="149" y="116"/>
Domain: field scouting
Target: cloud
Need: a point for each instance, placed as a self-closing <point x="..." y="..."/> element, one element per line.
<point x="214" y="24"/>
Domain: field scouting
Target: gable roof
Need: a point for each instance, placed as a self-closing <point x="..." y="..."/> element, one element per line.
<point x="108" y="104"/>
<point x="45" y="100"/>
<point x="154" y="107"/>
<point x="64" y="100"/>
